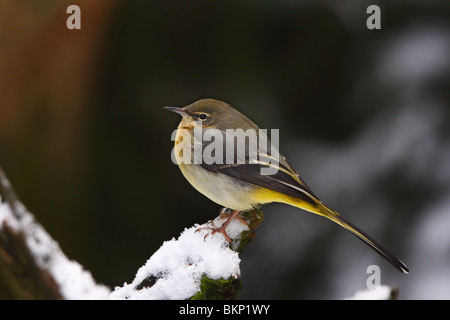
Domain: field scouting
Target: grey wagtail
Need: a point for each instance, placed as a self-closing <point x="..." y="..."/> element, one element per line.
<point x="239" y="184"/>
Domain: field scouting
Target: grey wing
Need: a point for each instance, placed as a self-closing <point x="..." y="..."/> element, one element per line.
<point x="261" y="165"/>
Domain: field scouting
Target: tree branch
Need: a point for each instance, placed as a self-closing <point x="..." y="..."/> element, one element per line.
<point x="33" y="266"/>
<point x="197" y="265"/>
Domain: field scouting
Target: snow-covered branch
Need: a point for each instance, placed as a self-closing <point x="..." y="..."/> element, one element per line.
<point x="33" y="265"/>
<point x="377" y="293"/>
<point x="197" y="265"/>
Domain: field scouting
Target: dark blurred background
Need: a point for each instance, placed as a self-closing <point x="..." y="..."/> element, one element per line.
<point x="364" y="116"/>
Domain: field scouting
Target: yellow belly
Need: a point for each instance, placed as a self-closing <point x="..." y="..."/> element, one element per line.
<point x="224" y="190"/>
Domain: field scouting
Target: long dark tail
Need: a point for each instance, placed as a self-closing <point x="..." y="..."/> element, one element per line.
<point x="320" y="209"/>
<point x="372" y="243"/>
<point x="364" y="237"/>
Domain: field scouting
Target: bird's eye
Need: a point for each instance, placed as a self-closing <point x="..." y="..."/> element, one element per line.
<point x="203" y="116"/>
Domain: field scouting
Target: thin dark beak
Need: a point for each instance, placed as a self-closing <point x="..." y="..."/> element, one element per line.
<point x="176" y="110"/>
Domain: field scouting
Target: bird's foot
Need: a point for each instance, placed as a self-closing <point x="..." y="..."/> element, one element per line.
<point x="223" y="227"/>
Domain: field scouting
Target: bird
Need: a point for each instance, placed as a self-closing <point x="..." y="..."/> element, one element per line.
<point x="239" y="183"/>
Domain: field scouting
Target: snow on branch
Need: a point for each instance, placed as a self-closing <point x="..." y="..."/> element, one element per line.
<point x="197" y="265"/>
<point x="377" y="293"/>
<point x="34" y="265"/>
